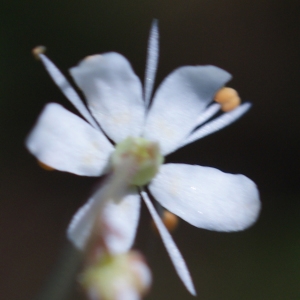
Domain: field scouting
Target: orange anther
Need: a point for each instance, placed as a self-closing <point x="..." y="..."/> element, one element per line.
<point x="232" y="104"/>
<point x="38" y="50"/>
<point x="228" y="98"/>
<point x="225" y="94"/>
<point x="170" y="220"/>
<point x="44" y="166"/>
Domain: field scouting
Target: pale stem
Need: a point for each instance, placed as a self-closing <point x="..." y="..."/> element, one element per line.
<point x="115" y="188"/>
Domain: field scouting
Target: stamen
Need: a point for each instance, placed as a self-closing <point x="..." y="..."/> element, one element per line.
<point x="217" y="124"/>
<point x="231" y="105"/>
<point x="44" y="166"/>
<point x="170" y="221"/>
<point x="228" y="98"/>
<point x="66" y="88"/>
<point x="207" y="114"/>
<point x="37" y="51"/>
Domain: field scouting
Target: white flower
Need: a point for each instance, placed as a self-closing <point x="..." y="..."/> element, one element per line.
<point x="205" y="197"/>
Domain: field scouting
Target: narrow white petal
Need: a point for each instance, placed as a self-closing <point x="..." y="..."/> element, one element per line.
<point x="217" y="124"/>
<point x="206" y="197"/>
<point x="67" y="89"/>
<point x="66" y="142"/>
<point x="113" y="93"/>
<point x="119" y="221"/>
<point x="207" y="114"/>
<point x="80" y="227"/>
<point x="179" y="101"/>
<point x="152" y="59"/>
<point x="171" y="247"/>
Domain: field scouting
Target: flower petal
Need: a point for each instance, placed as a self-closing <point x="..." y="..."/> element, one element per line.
<point x="67" y="89"/>
<point x="152" y="59"/>
<point x="65" y="142"/>
<point x="171" y="247"/>
<point x="179" y="101"/>
<point x="113" y="93"/>
<point x="206" y="197"/>
<point x="120" y="221"/>
<point x="217" y="124"/>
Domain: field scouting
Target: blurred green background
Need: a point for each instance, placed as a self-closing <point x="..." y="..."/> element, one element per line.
<point x="255" y="40"/>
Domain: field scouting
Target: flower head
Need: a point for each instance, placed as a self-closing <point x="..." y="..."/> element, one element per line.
<point x="122" y="276"/>
<point x="119" y="109"/>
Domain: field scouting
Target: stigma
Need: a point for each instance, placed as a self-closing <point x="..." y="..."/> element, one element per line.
<point x="143" y="157"/>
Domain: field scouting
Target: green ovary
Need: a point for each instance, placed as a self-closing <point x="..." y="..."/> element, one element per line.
<point x="111" y="275"/>
<point x="144" y="156"/>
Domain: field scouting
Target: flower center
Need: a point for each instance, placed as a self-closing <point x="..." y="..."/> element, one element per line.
<point x="143" y="157"/>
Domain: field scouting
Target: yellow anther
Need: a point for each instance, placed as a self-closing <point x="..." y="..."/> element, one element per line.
<point x="44" y="166"/>
<point x="224" y="94"/>
<point x="231" y="105"/>
<point x="228" y="98"/>
<point x="38" y="50"/>
<point x="90" y="57"/>
<point x="170" y="221"/>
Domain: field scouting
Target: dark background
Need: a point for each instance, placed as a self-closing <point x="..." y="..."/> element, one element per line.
<point x="255" y="40"/>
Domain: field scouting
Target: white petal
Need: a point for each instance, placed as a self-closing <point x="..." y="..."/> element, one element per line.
<point x="217" y="124"/>
<point x="206" y="197"/>
<point x="113" y="93"/>
<point x="152" y="59"/>
<point x="80" y="227"/>
<point x="67" y="89"/>
<point x="120" y="221"/>
<point x="179" y="101"/>
<point x="171" y="247"/>
<point x="65" y="142"/>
